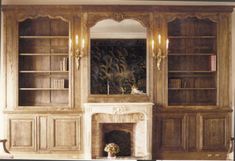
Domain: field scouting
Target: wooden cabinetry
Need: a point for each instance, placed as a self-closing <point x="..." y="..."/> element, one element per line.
<point x="188" y="133"/>
<point x="43" y="62"/>
<point x="44" y="92"/>
<point x="32" y="133"/>
<point x="192" y="118"/>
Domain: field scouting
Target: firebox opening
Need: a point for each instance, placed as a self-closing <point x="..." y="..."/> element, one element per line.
<point x="120" y="134"/>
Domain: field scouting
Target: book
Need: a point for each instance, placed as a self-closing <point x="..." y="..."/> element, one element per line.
<point x="174" y="83"/>
<point x="64" y="64"/>
<point x="213" y="62"/>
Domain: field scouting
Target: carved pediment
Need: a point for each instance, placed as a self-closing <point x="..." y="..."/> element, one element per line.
<point x="142" y="18"/>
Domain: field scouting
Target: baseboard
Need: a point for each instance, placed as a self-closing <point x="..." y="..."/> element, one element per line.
<point x="192" y="156"/>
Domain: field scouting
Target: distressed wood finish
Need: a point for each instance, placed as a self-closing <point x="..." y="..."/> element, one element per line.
<point x="172" y="135"/>
<point x="179" y="132"/>
<point x="215" y="132"/>
<point x="224" y="49"/>
<point x="202" y="132"/>
<point x="143" y="18"/>
<point x="22" y="133"/>
<point x="65" y="133"/>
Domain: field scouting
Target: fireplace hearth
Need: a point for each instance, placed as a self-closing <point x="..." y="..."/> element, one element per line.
<point x="120" y="134"/>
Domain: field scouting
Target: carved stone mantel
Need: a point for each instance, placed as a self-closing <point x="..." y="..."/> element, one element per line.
<point x="144" y="109"/>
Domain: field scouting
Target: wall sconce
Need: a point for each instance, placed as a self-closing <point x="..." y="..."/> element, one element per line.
<point x="159" y="54"/>
<point x="78" y="52"/>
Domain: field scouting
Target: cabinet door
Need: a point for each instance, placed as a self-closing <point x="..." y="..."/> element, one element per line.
<point x="64" y="132"/>
<point x="215" y="131"/>
<point x="22" y="133"/>
<point x="171" y="132"/>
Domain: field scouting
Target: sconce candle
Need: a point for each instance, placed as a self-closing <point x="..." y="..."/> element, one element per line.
<point x="152" y="45"/>
<point x="159" y="39"/>
<point x="76" y="40"/>
<point x="83" y="43"/>
<point x="167" y="44"/>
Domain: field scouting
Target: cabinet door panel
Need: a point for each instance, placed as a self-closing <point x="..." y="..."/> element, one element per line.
<point x="172" y="133"/>
<point x="22" y="133"/>
<point x="192" y="132"/>
<point x="65" y="132"/>
<point x="43" y="133"/>
<point x="214" y="132"/>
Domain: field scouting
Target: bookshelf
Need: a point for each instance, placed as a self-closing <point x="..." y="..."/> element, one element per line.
<point x="43" y="62"/>
<point x="192" y="62"/>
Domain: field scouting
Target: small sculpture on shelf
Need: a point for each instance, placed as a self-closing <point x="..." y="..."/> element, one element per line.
<point x="134" y="90"/>
<point x="112" y="149"/>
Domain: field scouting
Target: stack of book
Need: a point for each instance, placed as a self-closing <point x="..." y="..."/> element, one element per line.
<point x="64" y="64"/>
<point x="174" y="83"/>
<point x="59" y="83"/>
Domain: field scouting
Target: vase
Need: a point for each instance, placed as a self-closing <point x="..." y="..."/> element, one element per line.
<point x="111" y="155"/>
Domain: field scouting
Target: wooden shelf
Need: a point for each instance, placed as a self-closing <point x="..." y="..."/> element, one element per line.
<point x="192" y="104"/>
<point x="44" y="37"/>
<point x="43" y="54"/>
<point x="191" y="37"/>
<point x="190" y="54"/>
<point x="48" y="105"/>
<point x="193" y="71"/>
<point x="34" y="71"/>
<point x="45" y="89"/>
<point x="191" y="88"/>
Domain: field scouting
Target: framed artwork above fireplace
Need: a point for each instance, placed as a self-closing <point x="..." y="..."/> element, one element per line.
<point x="118" y="58"/>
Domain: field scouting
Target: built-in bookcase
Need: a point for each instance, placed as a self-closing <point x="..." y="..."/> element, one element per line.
<point x="44" y="62"/>
<point x="192" y="62"/>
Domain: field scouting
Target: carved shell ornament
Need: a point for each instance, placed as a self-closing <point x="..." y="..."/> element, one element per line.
<point x="119" y="109"/>
<point x="119" y="16"/>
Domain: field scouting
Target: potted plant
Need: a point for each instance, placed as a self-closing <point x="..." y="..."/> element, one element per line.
<point x="112" y="149"/>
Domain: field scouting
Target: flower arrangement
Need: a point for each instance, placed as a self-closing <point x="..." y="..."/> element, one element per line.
<point x="112" y="148"/>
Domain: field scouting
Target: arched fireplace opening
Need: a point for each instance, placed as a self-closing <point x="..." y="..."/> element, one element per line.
<point x="120" y="134"/>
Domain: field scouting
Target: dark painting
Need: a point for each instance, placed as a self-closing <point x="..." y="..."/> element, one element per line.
<point x="118" y="65"/>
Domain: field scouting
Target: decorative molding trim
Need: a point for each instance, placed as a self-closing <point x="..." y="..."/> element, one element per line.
<point x="142" y="18"/>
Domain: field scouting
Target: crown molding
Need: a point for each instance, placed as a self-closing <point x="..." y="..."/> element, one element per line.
<point x="118" y="2"/>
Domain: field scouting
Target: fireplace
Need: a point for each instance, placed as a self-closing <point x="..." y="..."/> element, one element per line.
<point x="127" y="124"/>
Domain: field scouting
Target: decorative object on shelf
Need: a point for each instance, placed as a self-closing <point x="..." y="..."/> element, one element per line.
<point x="112" y="149"/>
<point x="78" y="54"/>
<point x="134" y="90"/>
<point x="107" y="87"/>
<point x="123" y="89"/>
<point x="159" y="55"/>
